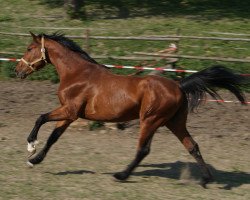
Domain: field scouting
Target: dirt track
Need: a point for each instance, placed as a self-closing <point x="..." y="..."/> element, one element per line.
<point x="80" y="165"/>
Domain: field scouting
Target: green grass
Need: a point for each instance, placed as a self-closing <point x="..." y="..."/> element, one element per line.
<point x="159" y="18"/>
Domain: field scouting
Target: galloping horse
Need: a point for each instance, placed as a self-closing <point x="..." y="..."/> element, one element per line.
<point x="89" y="90"/>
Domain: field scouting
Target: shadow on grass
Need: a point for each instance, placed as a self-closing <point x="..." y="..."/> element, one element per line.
<point x="76" y="172"/>
<point x="174" y="171"/>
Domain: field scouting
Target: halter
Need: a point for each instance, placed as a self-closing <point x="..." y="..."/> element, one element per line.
<point x="43" y="57"/>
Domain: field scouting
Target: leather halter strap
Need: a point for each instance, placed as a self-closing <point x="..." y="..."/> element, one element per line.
<point x="42" y="58"/>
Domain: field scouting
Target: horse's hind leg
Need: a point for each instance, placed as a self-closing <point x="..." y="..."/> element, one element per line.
<point x="178" y="126"/>
<point x="61" y="126"/>
<point x="193" y="149"/>
<point x="147" y="131"/>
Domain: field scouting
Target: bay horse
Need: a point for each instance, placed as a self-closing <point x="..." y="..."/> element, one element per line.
<point x="90" y="91"/>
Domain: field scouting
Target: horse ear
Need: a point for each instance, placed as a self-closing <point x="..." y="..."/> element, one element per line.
<point x="35" y="39"/>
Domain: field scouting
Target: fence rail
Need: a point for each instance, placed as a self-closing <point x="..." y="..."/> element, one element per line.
<point x="223" y="33"/>
<point x="140" y="58"/>
<point x="193" y="57"/>
<point x="202" y="38"/>
<point x="86" y="36"/>
<point x="152" y="37"/>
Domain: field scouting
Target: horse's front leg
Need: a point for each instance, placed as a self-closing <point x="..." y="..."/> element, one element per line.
<point x="60" y="114"/>
<point x="61" y="126"/>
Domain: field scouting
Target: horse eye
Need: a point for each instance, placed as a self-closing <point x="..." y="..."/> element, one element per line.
<point x="29" y="49"/>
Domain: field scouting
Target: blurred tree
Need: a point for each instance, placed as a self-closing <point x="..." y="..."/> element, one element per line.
<point x="132" y="8"/>
<point x="75" y="8"/>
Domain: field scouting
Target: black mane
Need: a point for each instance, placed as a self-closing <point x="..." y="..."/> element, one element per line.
<point x="68" y="43"/>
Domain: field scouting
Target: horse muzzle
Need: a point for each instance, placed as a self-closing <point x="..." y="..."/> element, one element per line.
<point x="21" y="74"/>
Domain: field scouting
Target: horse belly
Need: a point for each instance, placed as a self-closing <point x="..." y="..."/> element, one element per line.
<point x="106" y="110"/>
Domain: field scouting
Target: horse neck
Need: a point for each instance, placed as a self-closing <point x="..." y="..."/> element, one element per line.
<point x="69" y="64"/>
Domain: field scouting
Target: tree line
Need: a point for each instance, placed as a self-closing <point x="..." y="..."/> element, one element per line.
<point x="130" y="8"/>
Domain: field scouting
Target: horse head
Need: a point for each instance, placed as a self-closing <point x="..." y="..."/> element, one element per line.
<point x="34" y="58"/>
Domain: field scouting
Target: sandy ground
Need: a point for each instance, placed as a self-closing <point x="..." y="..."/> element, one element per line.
<point x="80" y="165"/>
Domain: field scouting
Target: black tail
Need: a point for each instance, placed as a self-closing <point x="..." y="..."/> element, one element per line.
<point x="197" y="85"/>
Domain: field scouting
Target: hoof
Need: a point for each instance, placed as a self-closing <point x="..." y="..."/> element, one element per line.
<point x="31" y="147"/>
<point x="30" y="165"/>
<point x="37" y="158"/>
<point x="204" y="181"/>
<point x="121" y="176"/>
